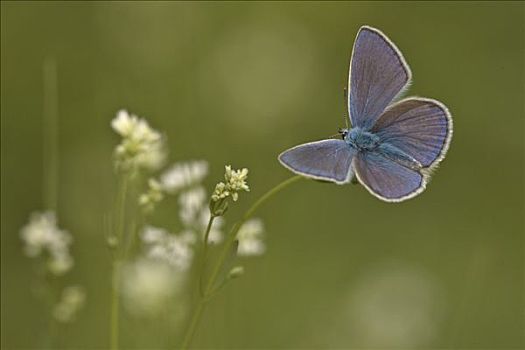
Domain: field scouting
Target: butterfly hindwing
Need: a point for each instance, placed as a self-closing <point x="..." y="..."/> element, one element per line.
<point x="420" y="127"/>
<point x="387" y="179"/>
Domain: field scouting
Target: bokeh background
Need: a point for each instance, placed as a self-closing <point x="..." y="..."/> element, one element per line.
<point x="238" y="83"/>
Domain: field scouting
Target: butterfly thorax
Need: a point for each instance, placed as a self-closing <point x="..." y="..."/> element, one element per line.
<point x="361" y="140"/>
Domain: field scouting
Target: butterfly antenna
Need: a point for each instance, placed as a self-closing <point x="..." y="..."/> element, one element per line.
<point x="346" y="117"/>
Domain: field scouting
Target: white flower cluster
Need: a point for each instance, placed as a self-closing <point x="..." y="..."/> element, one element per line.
<point x="250" y="238"/>
<point x="184" y="179"/>
<point x="172" y="249"/>
<point x="141" y="146"/>
<point x="180" y="176"/>
<point x="184" y="175"/>
<point x="235" y="181"/>
<point x="41" y="235"/>
<point x="71" y="301"/>
<point x="149" y="285"/>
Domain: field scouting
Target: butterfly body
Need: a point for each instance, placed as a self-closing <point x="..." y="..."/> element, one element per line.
<point x="361" y="140"/>
<point x="392" y="147"/>
<point x="365" y="141"/>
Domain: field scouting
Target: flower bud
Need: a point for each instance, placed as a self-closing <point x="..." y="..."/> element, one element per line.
<point x="218" y="208"/>
<point x="236" y="272"/>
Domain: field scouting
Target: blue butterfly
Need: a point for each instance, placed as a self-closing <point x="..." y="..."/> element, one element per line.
<point x="392" y="147"/>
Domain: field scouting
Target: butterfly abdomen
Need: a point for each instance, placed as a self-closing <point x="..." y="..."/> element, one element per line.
<point x="395" y="154"/>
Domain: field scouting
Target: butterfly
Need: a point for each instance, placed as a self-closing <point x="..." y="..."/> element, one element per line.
<point x="391" y="147"/>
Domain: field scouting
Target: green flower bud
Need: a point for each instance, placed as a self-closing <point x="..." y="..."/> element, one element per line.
<point x="218" y="208"/>
<point x="236" y="272"/>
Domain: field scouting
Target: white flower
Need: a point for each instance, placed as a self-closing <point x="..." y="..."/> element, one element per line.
<point x="71" y="301"/>
<point x="191" y="203"/>
<point x="183" y="175"/>
<point x="235" y="181"/>
<point x="148" y="286"/>
<point x="152" y="196"/>
<point x="221" y="191"/>
<point x="250" y="238"/>
<point x="153" y="235"/>
<point x="151" y="157"/>
<point x="164" y="246"/>
<point x="42" y="234"/>
<point x="124" y="124"/>
<point x="142" y="132"/>
<point x="141" y="146"/>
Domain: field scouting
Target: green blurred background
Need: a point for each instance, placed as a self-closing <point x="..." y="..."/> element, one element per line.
<point x="238" y="83"/>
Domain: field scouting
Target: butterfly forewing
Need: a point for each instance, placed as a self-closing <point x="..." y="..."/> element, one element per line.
<point x="378" y="73"/>
<point x="328" y="160"/>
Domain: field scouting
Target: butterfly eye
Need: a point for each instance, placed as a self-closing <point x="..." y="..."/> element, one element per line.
<point x="343" y="132"/>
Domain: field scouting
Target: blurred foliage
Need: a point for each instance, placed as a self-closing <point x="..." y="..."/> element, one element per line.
<point x="238" y="83"/>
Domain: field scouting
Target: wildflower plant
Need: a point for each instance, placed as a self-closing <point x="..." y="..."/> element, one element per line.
<point x="141" y="149"/>
<point x="152" y="264"/>
<point x="244" y="239"/>
<point x="50" y="246"/>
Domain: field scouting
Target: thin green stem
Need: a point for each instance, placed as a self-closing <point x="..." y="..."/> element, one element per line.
<point x="207" y="233"/>
<point x="116" y="266"/>
<point x="208" y="291"/>
<point x="121" y="210"/>
<point x="190" y="332"/>
<point x="115" y="304"/>
<point x="50" y="135"/>
<point x="205" y="254"/>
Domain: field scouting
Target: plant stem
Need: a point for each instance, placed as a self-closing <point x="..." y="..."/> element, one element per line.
<point x="115" y="304"/>
<point x="195" y="318"/>
<point x="50" y="135"/>
<point x="121" y="208"/>
<point x="116" y="266"/>
<point x="208" y="291"/>
<point x="205" y="254"/>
